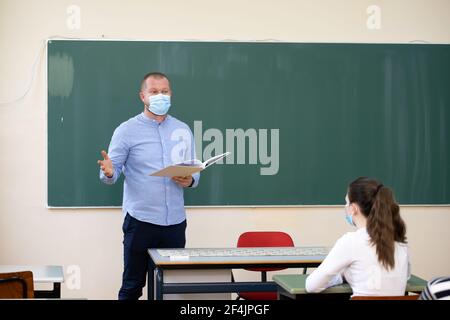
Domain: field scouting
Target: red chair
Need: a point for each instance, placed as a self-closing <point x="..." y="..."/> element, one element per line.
<point x="263" y="239"/>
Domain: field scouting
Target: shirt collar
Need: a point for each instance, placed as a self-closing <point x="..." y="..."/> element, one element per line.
<point x="363" y="231"/>
<point x="151" y="121"/>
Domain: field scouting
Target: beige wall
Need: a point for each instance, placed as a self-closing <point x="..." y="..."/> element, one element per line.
<point x="91" y="239"/>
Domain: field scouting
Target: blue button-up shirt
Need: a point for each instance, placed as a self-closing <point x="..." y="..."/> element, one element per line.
<point x="141" y="146"/>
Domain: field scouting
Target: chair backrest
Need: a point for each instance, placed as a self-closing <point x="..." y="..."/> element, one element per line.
<point x="413" y="297"/>
<point x="16" y="285"/>
<point x="265" y="239"/>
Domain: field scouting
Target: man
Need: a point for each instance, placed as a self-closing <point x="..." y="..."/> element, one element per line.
<point x="153" y="206"/>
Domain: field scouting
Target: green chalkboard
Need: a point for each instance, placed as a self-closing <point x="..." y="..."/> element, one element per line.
<point x="305" y="119"/>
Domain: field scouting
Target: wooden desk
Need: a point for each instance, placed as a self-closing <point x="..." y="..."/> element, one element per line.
<point x="41" y="274"/>
<point x="158" y="263"/>
<point x="292" y="286"/>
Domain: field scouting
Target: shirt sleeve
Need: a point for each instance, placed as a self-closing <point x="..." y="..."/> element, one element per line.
<point x="118" y="153"/>
<point x="330" y="271"/>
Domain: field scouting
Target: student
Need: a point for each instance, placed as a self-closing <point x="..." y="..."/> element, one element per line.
<point x="374" y="259"/>
<point x="437" y="289"/>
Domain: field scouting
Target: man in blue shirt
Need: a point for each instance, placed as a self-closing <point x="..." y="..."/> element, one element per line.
<point x="153" y="206"/>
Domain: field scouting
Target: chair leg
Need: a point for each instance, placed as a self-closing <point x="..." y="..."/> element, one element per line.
<point x="263" y="276"/>
<point x="304" y="270"/>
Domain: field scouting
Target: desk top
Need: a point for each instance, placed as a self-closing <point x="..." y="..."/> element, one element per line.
<point x="187" y="259"/>
<point x="295" y="284"/>
<point x="44" y="274"/>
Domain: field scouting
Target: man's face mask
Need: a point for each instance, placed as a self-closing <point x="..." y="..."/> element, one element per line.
<point x="159" y="104"/>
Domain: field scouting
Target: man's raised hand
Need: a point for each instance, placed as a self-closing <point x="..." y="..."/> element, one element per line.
<point x="106" y="165"/>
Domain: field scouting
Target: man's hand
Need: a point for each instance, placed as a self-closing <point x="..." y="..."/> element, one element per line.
<point x="183" y="181"/>
<point x="106" y="165"/>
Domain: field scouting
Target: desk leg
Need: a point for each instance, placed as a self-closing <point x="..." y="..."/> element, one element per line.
<point x="150" y="280"/>
<point x="49" y="294"/>
<point x="57" y="290"/>
<point x="159" y="283"/>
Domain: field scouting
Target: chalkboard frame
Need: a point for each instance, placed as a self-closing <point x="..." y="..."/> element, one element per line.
<point x="334" y="202"/>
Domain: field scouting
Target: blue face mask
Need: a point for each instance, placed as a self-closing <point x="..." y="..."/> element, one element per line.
<point x="159" y="104"/>
<point x="349" y="218"/>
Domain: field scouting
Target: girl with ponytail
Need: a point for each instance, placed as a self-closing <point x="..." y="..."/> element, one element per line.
<point x="374" y="259"/>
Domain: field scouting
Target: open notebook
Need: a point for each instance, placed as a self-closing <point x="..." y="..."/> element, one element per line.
<point x="187" y="168"/>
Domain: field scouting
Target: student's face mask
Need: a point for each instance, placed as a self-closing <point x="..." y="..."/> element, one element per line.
<point x="159" y="104"/>
<point x="348" y="215"/>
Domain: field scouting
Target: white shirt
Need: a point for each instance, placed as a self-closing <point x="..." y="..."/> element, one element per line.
<point x="354" y="258"/>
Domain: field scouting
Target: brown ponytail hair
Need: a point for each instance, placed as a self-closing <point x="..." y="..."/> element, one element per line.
<point x="384" y="224"/>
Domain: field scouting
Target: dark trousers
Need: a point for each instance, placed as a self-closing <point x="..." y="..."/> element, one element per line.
<point x="139" y="236"/>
